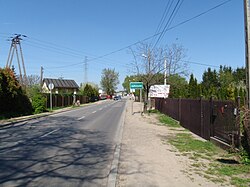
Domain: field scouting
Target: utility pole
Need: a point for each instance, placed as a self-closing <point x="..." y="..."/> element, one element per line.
<point x="247" y="37"/>
<point x="41" y="78"/>
<point x="165" y="71"/>
<point x="86" y="69"/>
<point x="16" y="41"/>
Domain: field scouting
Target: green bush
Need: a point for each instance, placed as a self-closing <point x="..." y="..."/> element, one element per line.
<point x="13" y="100"/>
<point x="38" y="103"/>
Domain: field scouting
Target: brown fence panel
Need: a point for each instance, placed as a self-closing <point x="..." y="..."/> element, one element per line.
<point x="169" y="107"/>
<point x="191" y="115"/>
<point x="206" y="118"/>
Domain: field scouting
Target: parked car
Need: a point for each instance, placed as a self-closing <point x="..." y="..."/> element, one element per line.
<point x="117" y="97"/>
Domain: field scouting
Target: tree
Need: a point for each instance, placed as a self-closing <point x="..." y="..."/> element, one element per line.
<point x="193" y="88"/>
<point x="91" y="92"/>
<point x="209" y="83"/>
<point x="13" y="101"/>
<point x="178" y="86"/>
<point x="109" y="81"/>
<point x="127" y="80"/>
<point x="33" y="80"/>
<point x="148" y="63"/>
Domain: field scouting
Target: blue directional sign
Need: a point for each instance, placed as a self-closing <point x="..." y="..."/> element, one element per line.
<point x="136" y="85"/>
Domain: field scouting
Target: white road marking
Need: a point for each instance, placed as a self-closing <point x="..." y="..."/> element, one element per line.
<point x="49" y="133"/>
<point x="81" y="117"/>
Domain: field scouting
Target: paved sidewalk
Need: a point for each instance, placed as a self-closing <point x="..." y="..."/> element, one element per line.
<point x="146" y="161"/>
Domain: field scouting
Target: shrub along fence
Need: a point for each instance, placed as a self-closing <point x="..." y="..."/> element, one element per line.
<point x="64" y="100"/>
<point x="206" y="118"/>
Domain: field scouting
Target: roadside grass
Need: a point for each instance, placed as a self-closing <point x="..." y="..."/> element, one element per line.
<point x="208" y="160"/>
<point x="170" y="122"/>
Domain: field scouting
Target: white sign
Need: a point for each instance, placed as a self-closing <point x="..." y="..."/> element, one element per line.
<point x="51" y="86"/>
<point x="160" y="91"/>
<point x="132" y="90"/>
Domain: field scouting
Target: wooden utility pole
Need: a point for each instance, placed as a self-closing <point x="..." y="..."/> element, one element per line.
<point x="247" y="37"/>
<point x="41" y="78"/>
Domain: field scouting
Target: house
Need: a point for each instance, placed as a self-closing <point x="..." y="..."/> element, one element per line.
<point x="60" y="86"/>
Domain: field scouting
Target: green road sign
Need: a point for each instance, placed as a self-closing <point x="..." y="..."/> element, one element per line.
<point x="136" y="85"/>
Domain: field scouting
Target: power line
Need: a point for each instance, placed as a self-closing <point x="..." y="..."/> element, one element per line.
<point x="145" y="39"/>
<point x="164" y="16"/>
<point x="172" y="16"/>
<point x="201" y="64"/>
<point x="170" y="28"/>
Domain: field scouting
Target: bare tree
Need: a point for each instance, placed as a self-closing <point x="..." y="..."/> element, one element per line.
<point x="148" y="63"/>
<point x="174" y="56"/>
<point x="33" y="80"/>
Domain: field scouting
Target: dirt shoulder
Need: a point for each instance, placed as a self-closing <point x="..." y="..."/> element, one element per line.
<point x="147" y="160"/>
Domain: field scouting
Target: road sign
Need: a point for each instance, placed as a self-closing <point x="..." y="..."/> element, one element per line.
<point x="136" y="85"/>
<point x="51" y="86"/>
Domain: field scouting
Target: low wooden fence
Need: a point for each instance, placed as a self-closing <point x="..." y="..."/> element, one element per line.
<point x="64" y="100"/>
<point x="206" y="118"/>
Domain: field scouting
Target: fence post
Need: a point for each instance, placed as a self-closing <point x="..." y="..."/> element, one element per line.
<point x="211" y="126"/>
<point x="62" y="101"/>
<point x="238" y="121"/>
<point x="202" y="120"/>
<point x="179" y="107"/>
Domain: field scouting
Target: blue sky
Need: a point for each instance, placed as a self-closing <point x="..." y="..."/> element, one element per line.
<point x="61" y="33"/>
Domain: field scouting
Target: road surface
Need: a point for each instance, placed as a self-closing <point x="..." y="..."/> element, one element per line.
<point x="73" y="148"/>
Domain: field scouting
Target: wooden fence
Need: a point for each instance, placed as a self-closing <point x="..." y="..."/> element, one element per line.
<point x="206" y="118"/>
<point x="64" y="100"/>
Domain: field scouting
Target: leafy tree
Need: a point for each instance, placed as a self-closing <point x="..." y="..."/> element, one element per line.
<point x="127" y="80"/>
<point x="91" y="92"/>
<point x="178" y="86"/>
<point x="209" y="83"/>
<point x="193" y="88"/>
<point x="109" y="81"/>
<point x="13" y="101"/>
<point x="239" y="74"/>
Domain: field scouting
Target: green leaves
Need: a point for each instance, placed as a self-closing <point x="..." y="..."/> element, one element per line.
<point x="109" y="80"/>
<point x="13" y="101"/>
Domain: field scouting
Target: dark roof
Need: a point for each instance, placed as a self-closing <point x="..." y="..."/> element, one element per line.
<point x="61" y="83"/>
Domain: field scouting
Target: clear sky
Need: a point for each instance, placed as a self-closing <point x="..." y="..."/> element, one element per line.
<point x="61" y="33"/>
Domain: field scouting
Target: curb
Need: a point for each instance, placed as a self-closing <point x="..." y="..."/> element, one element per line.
<point x="13" y="121"/>
<point x="114" y="166"/>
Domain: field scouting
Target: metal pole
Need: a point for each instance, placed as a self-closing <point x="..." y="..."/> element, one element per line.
<point x="24" y="70"/>
<point x="51" y="100"/>
<point x="247" y="49"/>
<point x="19" y="65"/>
<point x="165" y="71"/>
<point x="8" y="60"/>
<point x="141" y="100"/>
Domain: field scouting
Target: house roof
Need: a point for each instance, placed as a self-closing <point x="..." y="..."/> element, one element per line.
<point x="61" y="83"/>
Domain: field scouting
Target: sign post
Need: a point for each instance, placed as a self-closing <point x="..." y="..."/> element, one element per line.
<point x="51" y="87"/>
<point x="135" y="86"/>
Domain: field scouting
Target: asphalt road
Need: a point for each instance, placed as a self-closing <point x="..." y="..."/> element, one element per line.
<point x="73" y="148"/>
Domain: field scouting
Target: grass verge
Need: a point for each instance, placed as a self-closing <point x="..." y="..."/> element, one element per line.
<point x="208" y="160"/>
<point x="170" y="122"/>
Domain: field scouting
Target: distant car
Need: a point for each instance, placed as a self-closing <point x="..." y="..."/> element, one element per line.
<point x="117" y="97"/>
